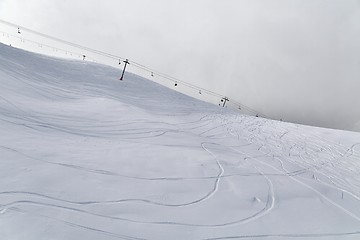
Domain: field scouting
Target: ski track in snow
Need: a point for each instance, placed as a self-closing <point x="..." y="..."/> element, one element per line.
<point x="265" y="210"/>
<point x="230" y="147"/>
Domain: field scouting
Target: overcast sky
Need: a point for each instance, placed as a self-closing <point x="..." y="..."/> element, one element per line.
<point x="298" y="60"/>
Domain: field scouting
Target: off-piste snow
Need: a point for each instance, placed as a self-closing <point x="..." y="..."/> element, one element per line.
<point x="86" y="156"/>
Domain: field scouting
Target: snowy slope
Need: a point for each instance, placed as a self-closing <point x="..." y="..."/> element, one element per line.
<point x="86" y="156"/>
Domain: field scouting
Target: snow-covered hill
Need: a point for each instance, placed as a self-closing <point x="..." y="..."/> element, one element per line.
<point x="86" y="156"/>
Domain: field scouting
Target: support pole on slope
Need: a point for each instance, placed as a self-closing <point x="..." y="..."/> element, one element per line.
<point x="224" y="100"/>
<point x="126" y="63"/>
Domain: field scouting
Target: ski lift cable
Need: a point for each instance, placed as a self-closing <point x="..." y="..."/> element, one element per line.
<point x="111" y="56"/>
<point x="41" y="44"/>
<point x="62" y="41"/>
<point x="176" y="80"/>
<point x="248" y="109"/>
<point x="199" y="88"/>
<point x="136" y="64"/>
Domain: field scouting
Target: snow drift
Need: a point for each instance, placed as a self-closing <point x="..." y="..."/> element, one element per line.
<point x="86" y="156"/>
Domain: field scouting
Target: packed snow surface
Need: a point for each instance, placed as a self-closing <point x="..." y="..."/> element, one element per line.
<point x="86" y="156"/>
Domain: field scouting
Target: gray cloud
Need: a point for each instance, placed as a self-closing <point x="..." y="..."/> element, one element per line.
<point x="292" y="59"/>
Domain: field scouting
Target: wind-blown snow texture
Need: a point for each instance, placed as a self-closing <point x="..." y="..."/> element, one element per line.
<point x="86" y="156"/>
